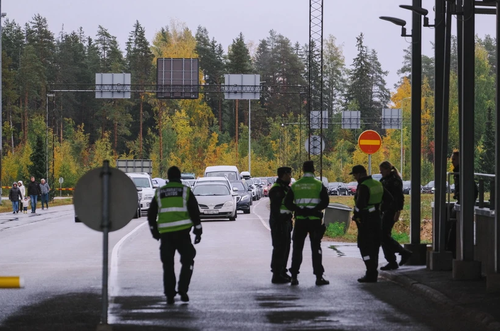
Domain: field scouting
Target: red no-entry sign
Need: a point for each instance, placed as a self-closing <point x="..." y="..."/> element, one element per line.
<point x="369" y="141"/>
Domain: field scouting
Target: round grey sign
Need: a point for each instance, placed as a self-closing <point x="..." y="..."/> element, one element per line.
<point x="88" y="199"/>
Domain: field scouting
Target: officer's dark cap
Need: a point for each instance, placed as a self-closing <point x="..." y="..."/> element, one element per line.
<point x="284" y="170"/>
<point x="308" y="166"/>
<point x="358" y="169"/>
<point x="174" y="173"/>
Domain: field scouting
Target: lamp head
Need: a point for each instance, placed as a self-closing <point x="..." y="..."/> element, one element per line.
<point x="415" y="9"/>
<point x="393" y="20"/>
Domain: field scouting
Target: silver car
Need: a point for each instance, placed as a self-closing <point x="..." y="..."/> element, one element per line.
<point x="215" y="200"/>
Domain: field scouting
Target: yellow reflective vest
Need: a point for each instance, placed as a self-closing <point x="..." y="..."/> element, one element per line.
<point x="173" y="213"/>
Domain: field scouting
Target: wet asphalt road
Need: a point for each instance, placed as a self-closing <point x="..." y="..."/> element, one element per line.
<point x="61" y="263"/>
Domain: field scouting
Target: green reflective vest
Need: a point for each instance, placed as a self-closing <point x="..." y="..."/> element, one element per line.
<point x="376" y="192"/>
<point x="307" y="193"/>
<point x="283" y="209"/>
<point x="173" y="214"/>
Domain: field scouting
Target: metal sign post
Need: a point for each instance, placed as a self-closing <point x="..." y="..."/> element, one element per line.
<point x="105" y="242"/>
<point x="101" y="211"/>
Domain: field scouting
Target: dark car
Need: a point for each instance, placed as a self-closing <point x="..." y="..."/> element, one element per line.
<point x="428" y="188"/>
<point x="336" y="188"/>
<point x="244" y="198"/>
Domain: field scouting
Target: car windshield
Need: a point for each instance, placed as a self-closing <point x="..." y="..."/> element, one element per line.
<point x="406" y="183"/>
<point x="430" y="184"/>
<point x="141" y="182"/>
<point x="239" y="186"/>
<point x="209" y="190"/>
<point x="229" y="175"/>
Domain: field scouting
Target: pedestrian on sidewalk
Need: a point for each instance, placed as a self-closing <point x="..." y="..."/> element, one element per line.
<point x="307" y="198"/>
<point x="14" y="196"/>
<point x="280" y="222"/>
<point x="23" y="193"/>
<point x="368" y="197"/>
<point x="171" y="215"/>
<point x="391" y="210"/>
<point x="33" y="192"/>
<point x="44" y="189"/>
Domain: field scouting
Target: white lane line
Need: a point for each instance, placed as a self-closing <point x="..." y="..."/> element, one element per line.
<point x="266" y="225"/>
<point x="113" y="275"/>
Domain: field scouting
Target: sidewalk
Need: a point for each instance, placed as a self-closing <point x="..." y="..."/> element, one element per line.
<point x="468" y="298"/>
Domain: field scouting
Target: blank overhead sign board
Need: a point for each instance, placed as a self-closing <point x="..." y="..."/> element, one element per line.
<point x="112" y="86"/>
<point x="178" y="78"/>
<point x="242" y="87"/>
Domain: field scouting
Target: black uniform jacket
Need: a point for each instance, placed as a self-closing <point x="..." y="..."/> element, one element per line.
<point x="276" y="196"/>
<point x="363" y="196"/>
<point x="394" y="185"/>
<point x="192" y="206"/>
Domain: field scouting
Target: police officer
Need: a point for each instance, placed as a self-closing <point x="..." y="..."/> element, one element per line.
<point x="392" y="182"/>
<point x="280" y="221"/>
<point x="368" y="198"/>
<point x="307" y="198"/>
<point x="172" y="213"/>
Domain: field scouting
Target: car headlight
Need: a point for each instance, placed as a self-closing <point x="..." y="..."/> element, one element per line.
<point x="228" y="203"/>
<point x="139" y="195"/>
<point x="245" y="197"/>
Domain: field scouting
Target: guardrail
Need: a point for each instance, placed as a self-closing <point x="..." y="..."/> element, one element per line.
<point x="486" y="182"/>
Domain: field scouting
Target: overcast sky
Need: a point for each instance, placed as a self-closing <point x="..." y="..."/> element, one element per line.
<point x="225" y="19"/>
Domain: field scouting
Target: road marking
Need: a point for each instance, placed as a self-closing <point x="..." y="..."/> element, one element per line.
<point x="113" y="275"/>
<point x="266" y="225"/>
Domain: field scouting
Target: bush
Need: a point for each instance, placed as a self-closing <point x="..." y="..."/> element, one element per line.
<point x="335" y="230"/>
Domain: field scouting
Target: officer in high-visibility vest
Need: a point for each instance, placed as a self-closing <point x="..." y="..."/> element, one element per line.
<point x="369" y="195"/>
<point x="280" y="222"/>
<point x="172" y="213"/>
<point x="308" y="198"/>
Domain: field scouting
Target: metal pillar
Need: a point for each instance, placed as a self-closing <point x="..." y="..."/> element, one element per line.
<point x="497" y="151"/>
<point x="467" y="142"/>
<point x="439" y="196"/>
<point x="1" y="98"/>
<point x="416" y="103"/>
<point x="464" y="267"/>
<point x="315" y="97"/>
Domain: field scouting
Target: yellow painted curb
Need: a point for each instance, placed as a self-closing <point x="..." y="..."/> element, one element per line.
<point x="11" y="282"/>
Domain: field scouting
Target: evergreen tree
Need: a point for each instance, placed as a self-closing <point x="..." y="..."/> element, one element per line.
<point x="487" y="160"/>
<point x="427" y="68"/>
<point x="140" y="64"/>
<point x="212" y="64"/>
<point x="367" y="86"/>
<point x="37" y="168"/>
<point x="359" y="89"/>
<point x="13" y="42"/>
<point x="239" y="61"/>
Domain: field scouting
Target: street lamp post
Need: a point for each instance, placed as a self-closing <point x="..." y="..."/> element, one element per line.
<point x="1" y="99"/>
<point x="419" y="250"/>
<point x="47" y="136"/>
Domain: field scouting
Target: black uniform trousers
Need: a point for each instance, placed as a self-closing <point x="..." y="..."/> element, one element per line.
<point x="281" y="236"/>
<point x="389" y="245"/>
<point x="316" y="230"/>
<point x="369" y="238"/>
<point x="170" y="242"/>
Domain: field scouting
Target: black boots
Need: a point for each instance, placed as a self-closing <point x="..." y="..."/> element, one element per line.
<point x="280" y="279"/>
<point x="321" y="281"/>
<point x="390" y="266"/>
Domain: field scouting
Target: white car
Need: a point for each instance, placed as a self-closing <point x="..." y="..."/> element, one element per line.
<point x="222" y="180"/>
<point x="143" y="182"/>
<point x="215" y="200"/>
